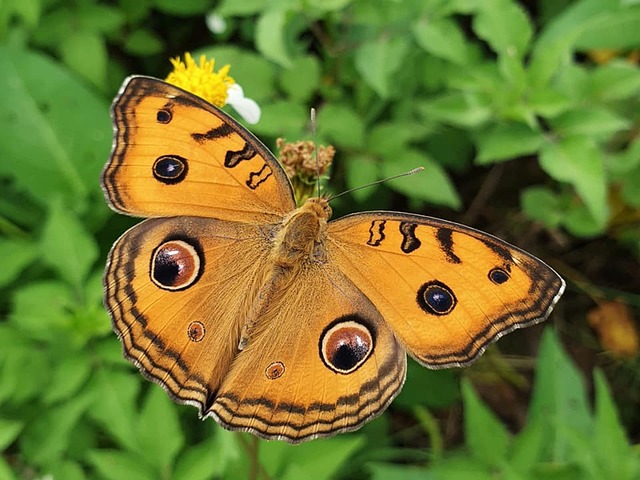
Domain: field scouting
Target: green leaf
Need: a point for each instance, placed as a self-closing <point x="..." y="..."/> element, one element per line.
<point x="57" y="132"/>
<point x="271" y="37"/>
<point x="67" y="246"/>
<point x="340" y="124"/>
<point x="617" y="80"/>
<point x="6" y="473"/>
<point x="183" y="7"/>
<point x="615" y="29"/>
<point x="68" y="376"/>
<point x="46" y="439"/>
<point x="631" y="188"/>
<point x="466" y="110"/>
<point x="361" y="170"/>
<point x="578" y="161"/>
<point x="158" y="429"/>
<point x="22" y="375"/>
<point x="559" y="401"/>
<point x="540" y="203"/>
<point x="302" y="79"/>
<point x="610" y="444"/>
<point x="593" y="121"/>
<point x="143" y="43"/>
<point x="443" y="38"/>
<point x="66" y="469"/>
<point x="528" y="447"/>
<point x="228" y="8"/>
<point x="432" y="185"/>
<point x="580" y="222"/>
<point x="85" y="53"/>
<point x="386" y="471"/>
<point x="16" y="255"/>
<point x="376" y="61"/>
<point x="210" y="458"/>
<point x="486" y="437"/>
<point x="42" y="323"/>
<point x="505" y="26"/>
<point x="117" y="465"/>
<point x="114" y="405"/>
<point x="9" y="431"/>
<point x="506" y="141"/>
<point x="443" y="388"/>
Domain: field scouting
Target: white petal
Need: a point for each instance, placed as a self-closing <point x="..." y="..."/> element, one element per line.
<point x="246" y="107"/>
<point x="215" y="23"/>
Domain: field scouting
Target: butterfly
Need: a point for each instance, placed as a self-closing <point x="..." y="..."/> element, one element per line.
<point x="268" y="317"/>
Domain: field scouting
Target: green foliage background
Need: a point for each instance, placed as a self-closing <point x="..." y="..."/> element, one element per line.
<point x="525" y="116"/>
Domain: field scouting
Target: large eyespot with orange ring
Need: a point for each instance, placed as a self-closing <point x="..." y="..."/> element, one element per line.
<point x="346" y="344"/>
<point x="170" y="169"/>
<point x="176" y="264"/>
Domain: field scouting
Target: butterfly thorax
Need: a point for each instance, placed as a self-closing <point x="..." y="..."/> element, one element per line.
<point x="302" y="236"/>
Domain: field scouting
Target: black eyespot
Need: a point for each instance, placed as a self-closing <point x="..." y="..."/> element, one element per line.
<point x="498" y="276"/>
<point x="436" y="298"/>
<point x="176" y="265"/>
<point x="164" y="116"/>
<point x="346" y="344"/>
<point x="170" y="169"/>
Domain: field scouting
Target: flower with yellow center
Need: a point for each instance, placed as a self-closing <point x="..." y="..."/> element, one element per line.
<point x="217" y="88"/>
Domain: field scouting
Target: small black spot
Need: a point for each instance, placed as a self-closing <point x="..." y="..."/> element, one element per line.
<point x="170" y="169"/>
<point x="164" y="116"/>
<point x="498" y="276"/>
<point x="436" y="298"/>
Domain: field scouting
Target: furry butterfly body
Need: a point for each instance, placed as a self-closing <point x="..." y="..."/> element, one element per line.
<point x="269" y="317"/>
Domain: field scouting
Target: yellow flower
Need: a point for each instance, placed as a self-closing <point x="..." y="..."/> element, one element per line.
<point x="200" y="79"/>
<point x="217" y="88"/>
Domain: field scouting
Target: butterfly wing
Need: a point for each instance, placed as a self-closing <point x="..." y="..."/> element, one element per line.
<point x="324" y="361"/>
<point x="175" y="298"/>
<point x="447" y="290"/>
<point x="321" y="360"/>
<point x="176" y="154"/>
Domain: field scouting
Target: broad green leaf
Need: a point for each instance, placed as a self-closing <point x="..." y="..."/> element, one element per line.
<point x="432" y="185"/>
<point x="387" y="471"/>
<point x="578" y="161"/>
<point x="559" y="400"/>
<point x="610" y="443"/>
<point x="329" y="5"/>
<point x="283" y="119"/>
<point x="114" y="405"/>
<point x="548" y="102"/>
<point x="631" y="188"/>
<point x="506" y="141"/>
<point x="342" y="125"/>
<point x="485" y="435"/>
<point x="271" y="37"/>
<point x="244" y="8"/>
<point x="6" y="472"/>
<point x="302" y="79"/>
<point x="442" y="391"/>
<point x="615" y="29"/>
<point x="16" y="255"/>
<point x="466" y="110"/>
<point x="254" y="73"/>
<point x="57" y="133"/>
<point x="210" y="458"/>
<point x="443" y="38"/>
<point x="42" y="323"/>
<point x="505" y="26"/>
<point x="46" y="439"/>
<point x="616" y="80"/>
<point x="460" y="468"/>
<point x="591" y="121"/>
<point x="67" y="246"/>
<point x="143" y="42"/>
<point x="69" y="470"/>
<point x="580" y="222"/>
<point x="100" y="18"/>
<point x="321" y="459"/>
<point x="85" y="53"/>
<point x="158" y="429"/>
<point x="378" y="60"/>
<point x="540" y="203"/>
<point x="9" y="431"/>
<point x="528" y="447"/>
<point x="22" y="375"/>
<point x="68" y="376"/>
<point x="183" y="7"/>
<point x="388" y="138"/>
<point x="118" y="465"/>
<point x="361" y="170"/>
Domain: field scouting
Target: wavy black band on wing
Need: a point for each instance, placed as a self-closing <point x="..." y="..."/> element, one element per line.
<point x="120" y="293"/>
<point x="378" y="392"/>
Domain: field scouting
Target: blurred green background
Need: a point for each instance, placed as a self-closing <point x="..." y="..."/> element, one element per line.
<point x="525" y="115"/>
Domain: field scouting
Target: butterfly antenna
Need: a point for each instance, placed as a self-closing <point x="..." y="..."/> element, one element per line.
<point x="393" y="177"/>
<point x="314" y="131"/>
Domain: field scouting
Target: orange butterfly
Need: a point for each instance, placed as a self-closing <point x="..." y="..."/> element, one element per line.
<point x="270" y="318"/>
